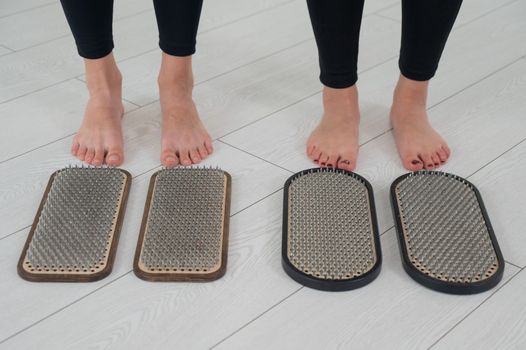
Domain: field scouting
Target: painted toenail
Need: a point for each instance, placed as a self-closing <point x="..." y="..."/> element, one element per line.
<point x="415" y="162"/>
<point x="345" y="161"/>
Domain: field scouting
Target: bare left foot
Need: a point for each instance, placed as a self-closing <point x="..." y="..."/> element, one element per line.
<point x="419" y="145"/>
<point x="185" y="140"/>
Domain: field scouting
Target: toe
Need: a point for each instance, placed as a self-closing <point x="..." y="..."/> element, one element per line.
<point x="322" y="161"/>
<point x="347" y="161"/>
<point x="194" y="156"/>
<point x="114" y="156"/>
<point x="169" y="158"/>
<point x="203" y="153"/>
<point x="447" y="150"/>
<point x="436" y="160"/>
<point x="90" y="154"/>
<point x="99" y="156"/>
<point x="332" y="162"/>
<point x="413" y="163"/>
<point x="310" y="149"/>
<point x="208" y="146"/>
<point x="184" y="158"/>
<point x="442" y="155"/>
<point x="81" y="154"/>
<point x="428" y="162"/>
<point x="75" y="147"/>
<point x="315" y="155"/>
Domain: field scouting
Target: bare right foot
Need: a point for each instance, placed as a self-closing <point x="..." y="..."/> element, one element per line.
<point x="99" y="139"/>
<point x="185" y="140"/>
<point x="334" y="143"/>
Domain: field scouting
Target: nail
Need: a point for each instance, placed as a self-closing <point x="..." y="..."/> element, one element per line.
<point x="113" y="157"/>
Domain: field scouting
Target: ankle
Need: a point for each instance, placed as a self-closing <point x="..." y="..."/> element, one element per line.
<point x="103" y="78"/>
<point x="341" y="103"/>
<point x="176" y="76"/>
<point x="410" y="94"/>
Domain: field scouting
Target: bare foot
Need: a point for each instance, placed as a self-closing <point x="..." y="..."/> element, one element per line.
<point x="185" y="140"/>
<point x="419" y="145"/>
<point x="334" y="142"/>
<point x="99" y="139"/>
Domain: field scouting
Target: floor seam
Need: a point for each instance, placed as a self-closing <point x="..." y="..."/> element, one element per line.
<point x="28" y="9"/>
<point x="255" y="318"/>
<point x="138" y="54"/>
<point x="253" y="155"/>
<point x="475" y="309"/>
<point x="111" y="280"/>
<point x="62" y="308"/>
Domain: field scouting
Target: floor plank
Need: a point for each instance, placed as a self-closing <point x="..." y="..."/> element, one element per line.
<point x="48" y="115"/>
<point x="4" y="50"/>
<point x="9" y="7"/>
<point x="497" y="324"/>
<point x="24" y="29"/>
<point x="393" y="312"/>
<point x="252" y="180"/>
<point x="55" y="61"/>
<point x="257" y="72"/>
<point x="216" y="55"/>
<point x="505" y="199"/>
<point x="469" y="10"/>
<point x="467" y="120"/>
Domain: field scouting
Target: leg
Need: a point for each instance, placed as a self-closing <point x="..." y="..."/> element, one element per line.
<point x="99" y="139"/>
<point x="425" y="28"/>
<point x="336" y="24"/>
<point x="185" y="140"/>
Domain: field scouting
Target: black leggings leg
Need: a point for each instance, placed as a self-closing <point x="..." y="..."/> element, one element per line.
<point x="91" y="24"/>
<point x="426" y="25"/>
<point x="336" y="25"/>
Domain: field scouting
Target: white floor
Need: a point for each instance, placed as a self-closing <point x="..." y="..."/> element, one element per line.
<point x="258" y="93"/>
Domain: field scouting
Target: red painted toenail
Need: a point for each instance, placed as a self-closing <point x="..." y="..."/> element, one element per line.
<point x="415" y="162"/>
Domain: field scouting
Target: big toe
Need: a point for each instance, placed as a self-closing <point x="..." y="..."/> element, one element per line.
<point x="347" y="161"/>
<point x="412" y="163"/>
<point x="169" y="158"/>
<point x="114" y="156"/>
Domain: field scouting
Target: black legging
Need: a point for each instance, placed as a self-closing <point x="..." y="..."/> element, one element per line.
<point x="425" y="28"/>
<point x="91" y="24"/>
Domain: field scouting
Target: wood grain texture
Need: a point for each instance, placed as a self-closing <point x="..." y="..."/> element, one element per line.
<point x="49" y="115"/>
<point x="497" y="324"/>
<point x="274" y="29"/>
<point x="252" y="180"/>
<point x="469" y="10"/>
<point x="502" y="183"/>
<point x="131" y="313"/>
<point x="480" y="95"/>
<point x="25" y="29"/>
<point x="393" y="312"/>
<point x="52" y="62"/>
<point x="9" y="7"/>
<point x="4" y="50"/>
<point x="467" y="121"/>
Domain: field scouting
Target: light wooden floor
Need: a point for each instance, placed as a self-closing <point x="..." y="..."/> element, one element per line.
<point x="258" y="93"/>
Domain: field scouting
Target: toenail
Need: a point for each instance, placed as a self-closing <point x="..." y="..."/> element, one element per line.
<point x="415" y="162"/>
<point x="345" y="161"/>
<point x="113" y="157"/>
